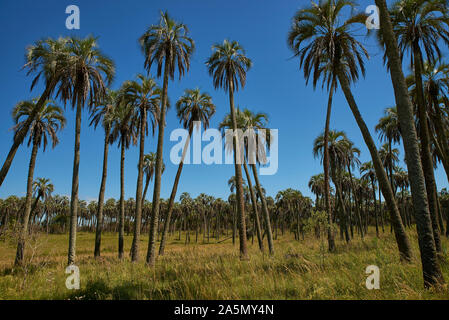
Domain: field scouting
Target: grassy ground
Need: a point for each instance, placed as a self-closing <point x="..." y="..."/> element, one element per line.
<point x="298" y="270"/>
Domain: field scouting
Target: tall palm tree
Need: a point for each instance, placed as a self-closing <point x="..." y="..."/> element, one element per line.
<point x="48" y="60"/>
<point x="320" y="67"/>
<point x="431" y="270"/>
<point x="44" y="126"/>
<point x="89" y="74"/>
<point x="259" y="121"/>
<point x="419" y="25"/>
<point x="144" y="96"/>
<point x="124" y="130"/>
<point x="192" y="108"/>
<point x="436" y="87"/>
<point x="352" y="161"/>
<point x="428" y="149"/>
<point x="338" y="146"/>
<point x="338" y="46"/>
<point x="228" y="66"/>
<point x="167" y="45"/>
<point x="250" y="139"/>
<point x="104" y="114"/>
<point x="255" y="124"/>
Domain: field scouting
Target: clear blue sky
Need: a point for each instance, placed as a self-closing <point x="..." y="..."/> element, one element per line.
<point x="275" y="85"/>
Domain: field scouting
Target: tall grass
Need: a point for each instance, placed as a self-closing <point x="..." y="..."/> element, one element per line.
<point x="298" y="270"/>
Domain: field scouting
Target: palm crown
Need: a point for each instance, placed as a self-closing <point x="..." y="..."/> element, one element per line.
<point x="420" y="23"/>
<point x="228" y="65"/>
<point x="167" y="41"/>
<point x="144" y="94"/>
<point x="43" y="188"/>
<point x="326" y="46"/>
<point x="46" y="123"/>
<point x="195" y="106"/>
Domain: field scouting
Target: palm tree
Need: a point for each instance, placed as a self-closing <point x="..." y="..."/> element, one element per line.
<point x="389" y="157"/>
<point x="89" y="74"/>
<point x="427" y="147"/>
<point x="228" y="66"/>
<point x="316" y="186"/>
<point x="431" y="269"/>
<point x="104" y="114"/>
<point x="338" y="144"/>
<point x="344" y="55"/>
<point x="369" y="174"/>
<point x="47" y="59"/>
<point x="144" y="96"/>
<point x="42" y="189"/>
<point x="258" y="121"/>
<point x="389" y="131"/>
<point x="419" y="25"/>
<point x="124" y="129"/>
<point x="321" y="67"/>
<point x="149" y="165"/>
<point x="167" y="45"/>
<point x="352" y="161"/>
<point x="436" y="85"/>
<point x="249" y="144"/>
<point x="254" y="146"/>
<point x="44" y="126"/>
<point x="192" y="109"/>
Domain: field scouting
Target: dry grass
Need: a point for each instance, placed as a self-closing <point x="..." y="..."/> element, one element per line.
<point x="298" y="270"/>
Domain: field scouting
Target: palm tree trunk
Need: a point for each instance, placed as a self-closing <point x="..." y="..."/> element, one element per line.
<point x="33" y="209"/>
<point x="99" y="226"/>
<point x="339" y="196"/>
<point x="138" y="218"/>
<point x="75" y="184"/>
<point x="121" y="227"/>
<point x="238" y="176"/>
<point x="327" y="197"/>
<point x="375" y="208"/>
<point x="431" y="269"/>
<point x="145" y="189"/>
<point x="151" y="252"/>
<point x="26" y="216"/>
<point x="401" y="237"/>
<point x="356" y="201"/>
<point x="173" y="194"/>
<point x="266" y="214"/>
<point x="254" y="203"/>
<point x="381" y="214"/>
<point x="426" y="157"/>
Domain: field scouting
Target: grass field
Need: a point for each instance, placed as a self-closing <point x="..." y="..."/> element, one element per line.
<point x="298" y="270"/>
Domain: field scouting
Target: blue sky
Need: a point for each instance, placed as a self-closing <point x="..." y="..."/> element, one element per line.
<point x="275" y="85"/>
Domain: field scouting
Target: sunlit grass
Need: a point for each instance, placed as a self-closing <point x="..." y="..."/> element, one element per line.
<point x="298" y="270"/>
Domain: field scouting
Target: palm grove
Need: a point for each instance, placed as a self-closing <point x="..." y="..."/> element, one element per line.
<point x="323" y="38"/>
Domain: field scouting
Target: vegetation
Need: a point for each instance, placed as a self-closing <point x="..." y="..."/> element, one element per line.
<point x="384" y="214"/>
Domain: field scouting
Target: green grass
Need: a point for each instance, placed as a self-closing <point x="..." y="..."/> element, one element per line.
<point x="298" y="270"/>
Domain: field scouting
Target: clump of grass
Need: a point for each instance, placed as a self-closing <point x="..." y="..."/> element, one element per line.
<point x="298" y="270"/>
